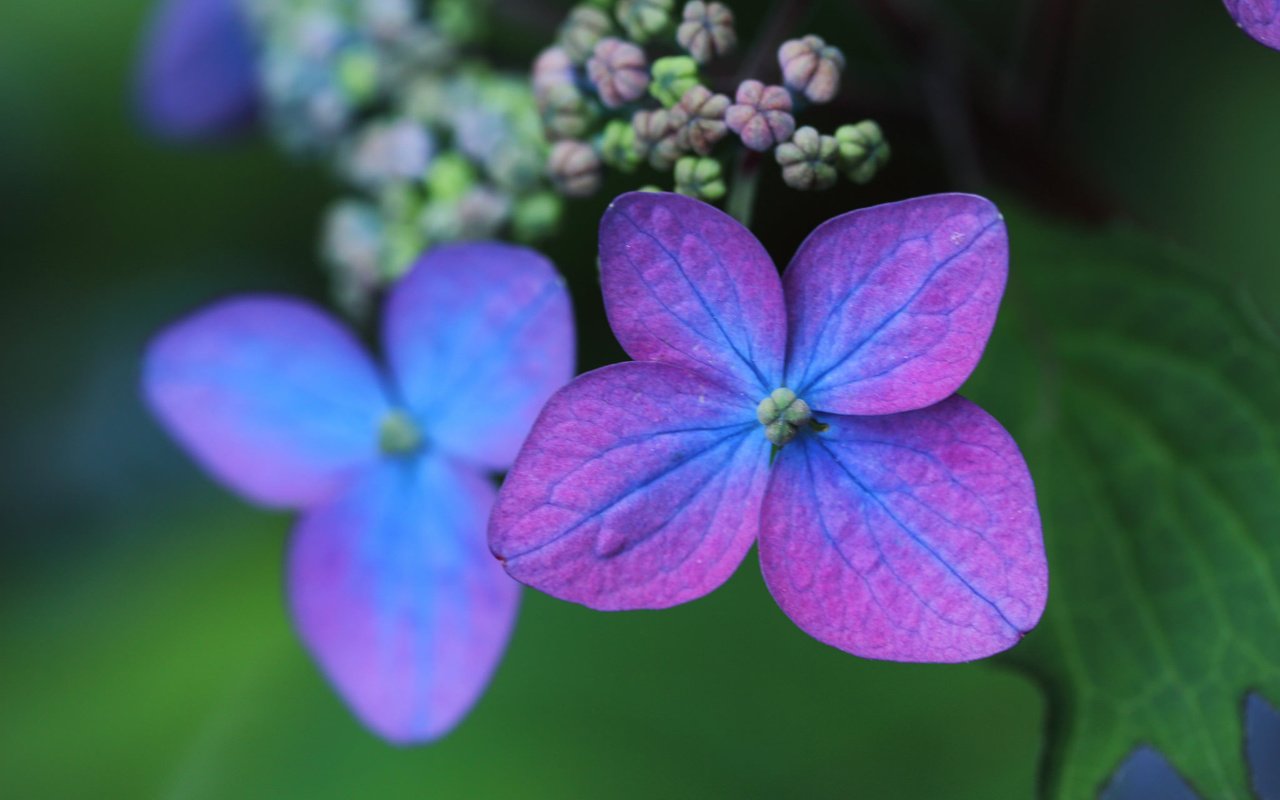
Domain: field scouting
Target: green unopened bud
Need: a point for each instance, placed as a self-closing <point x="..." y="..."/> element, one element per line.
<point x="642" y="19"/>
<point x="700" y="177"/>
<point x="779" y="432"/>
<point x="450" y="177"/>
<point x="566" y="112"/>
<point x="580" y="31"/>
<point x="808" y="161"/>
<point x="358" y="74"/>
<point x="618" y="146"/>
<point x="672" y="77"/>
<point x="536" y="216"/>
<point x="862" y="150"/>
<point x="459" y="20"/>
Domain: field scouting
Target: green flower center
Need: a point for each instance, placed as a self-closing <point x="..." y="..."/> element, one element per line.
<point x="783" y="414"/>
<point x="398" y="434"/>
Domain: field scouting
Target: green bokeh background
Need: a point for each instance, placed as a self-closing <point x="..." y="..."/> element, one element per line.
<point x="144" y="648"/>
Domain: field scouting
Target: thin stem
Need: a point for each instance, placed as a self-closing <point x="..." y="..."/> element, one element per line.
<point x="742" y="194"/>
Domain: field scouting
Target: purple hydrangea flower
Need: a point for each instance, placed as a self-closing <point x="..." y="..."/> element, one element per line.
<point x="390" y="584"/>
<point x="897" y="520"/>
<point x="1258" y="18"/>
<point x="197" y="78"/>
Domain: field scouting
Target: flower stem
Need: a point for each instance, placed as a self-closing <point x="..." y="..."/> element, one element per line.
<point x="742" y="196"/>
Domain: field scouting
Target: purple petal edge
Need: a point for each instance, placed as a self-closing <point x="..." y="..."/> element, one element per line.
<point x="197" y="75"/>
<point x="889" y="308"/>
<point x="1258" y="18"/>
<point x="639" y="487"/>
<point x="684" y="283"/>
<point x="270" y="394"/>
<point x="394" y="592"/>
<point x="909" y="537"/>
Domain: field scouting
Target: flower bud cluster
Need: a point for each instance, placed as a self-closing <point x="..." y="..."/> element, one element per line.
<point x="605" y="104"/>
<point x="433" y="145"/>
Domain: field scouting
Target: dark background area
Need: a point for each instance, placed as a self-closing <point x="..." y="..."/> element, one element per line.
<point x="144" y="648"/>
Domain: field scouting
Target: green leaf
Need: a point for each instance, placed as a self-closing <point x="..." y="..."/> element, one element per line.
<point x="1147" y="402"/>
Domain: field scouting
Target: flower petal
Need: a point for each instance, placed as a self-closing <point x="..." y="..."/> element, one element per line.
<point x="197" y="78"/>
<point x="478" y="337"/>
<point x="911" y="537"/>
<point x="890" y="307"/>
<point x="1258" y="18"/>
<point x="270" y="395"/>
<point x="686" y="284"/>
<point x="639" y="487"/>
<point x="394" y="592"/>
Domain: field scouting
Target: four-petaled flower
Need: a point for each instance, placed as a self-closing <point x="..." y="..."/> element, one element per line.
<point x="814" y="413"/>
<point x="197" y="76"/>
<point x="1258" y="18"/>
<point x="390" y="583"/>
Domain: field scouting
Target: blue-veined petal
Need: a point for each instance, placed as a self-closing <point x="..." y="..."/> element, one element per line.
<point x="906" y="537"/>
<point x="478" y="337"/>
<point x="395" y="593"/>
<point x="639" y="487"/>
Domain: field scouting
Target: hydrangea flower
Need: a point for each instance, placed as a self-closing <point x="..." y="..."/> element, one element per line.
<point x="390" y="584"/>
<point x="197" y="76"/>
<point x="814" y="414"/>
<point x="1258" y="18"/>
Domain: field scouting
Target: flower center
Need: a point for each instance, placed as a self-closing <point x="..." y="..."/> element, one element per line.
<point x="782" y="414"/>
<point x="398" y="434"/>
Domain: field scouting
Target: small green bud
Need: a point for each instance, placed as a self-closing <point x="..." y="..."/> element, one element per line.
<point x="536" y="216"/>
<point x="450" y="177"/>
<point x="700" y="177"/>
<point x="358" y="74"/>
<point x="618" y="146"/>
<point x="862" y="150"/>
<point x="580" y="31"/>
<point x="779" y="432"/>
<point x="459" y="20"/>
<point x="566" y="112"/>
<point x="808" y="161"/>
<point x="642" y="19"/>
<point x="768" y="411"/>
<point x="782" y="396"/>
<point x="672" y="77"/>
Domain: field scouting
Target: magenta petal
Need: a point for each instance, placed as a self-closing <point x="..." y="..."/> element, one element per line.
<point x="1258" y="18"/>
<point x="639" y="487"/>
<point x="479" y="336"/>
<point x="686" y="284"/>
<point x="889" y="308"/>
<point x="911" y="537"/>
<point x="270" y="395"/>
<point x="197" y="78"/>
<point x="394" y="592"/>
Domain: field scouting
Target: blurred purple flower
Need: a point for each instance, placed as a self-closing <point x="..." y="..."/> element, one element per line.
<point x="390" y="584"/>
<point x="897" y="521"/>
<point x="1258" y="18"/>
<point x="197" y="75"/>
